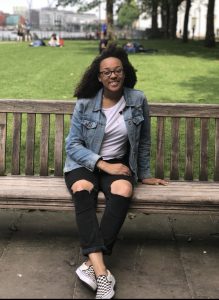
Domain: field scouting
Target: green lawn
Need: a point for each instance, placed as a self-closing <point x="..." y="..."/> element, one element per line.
<point x="176" y="73"/>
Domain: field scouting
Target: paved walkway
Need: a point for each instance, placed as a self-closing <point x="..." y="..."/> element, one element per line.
<point x="156" y="256"/>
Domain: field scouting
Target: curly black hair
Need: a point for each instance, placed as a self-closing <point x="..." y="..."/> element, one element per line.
<point x="89" y="84"/>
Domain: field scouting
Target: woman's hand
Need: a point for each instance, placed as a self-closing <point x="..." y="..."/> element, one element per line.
<point x="154" y="181"/>
<point x="113" y="169"/>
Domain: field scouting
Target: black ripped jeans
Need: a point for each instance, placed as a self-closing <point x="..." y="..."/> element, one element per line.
<point x="95" y="237"/>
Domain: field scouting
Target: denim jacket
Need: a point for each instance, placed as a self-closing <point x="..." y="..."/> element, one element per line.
<point x="86" y="134"/>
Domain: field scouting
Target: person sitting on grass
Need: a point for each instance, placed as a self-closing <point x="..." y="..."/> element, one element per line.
<point x="37" y="42"/>
<point x="56" y="41"/>
<point x="134" y="47"/>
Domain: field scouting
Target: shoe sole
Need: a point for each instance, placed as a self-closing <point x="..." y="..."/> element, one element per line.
<point x="84" y="279"/>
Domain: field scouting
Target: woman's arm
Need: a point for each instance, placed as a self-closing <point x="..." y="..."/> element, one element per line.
<point x="75" y="143"/>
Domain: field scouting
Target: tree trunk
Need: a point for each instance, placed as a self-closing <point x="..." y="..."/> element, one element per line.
<point x="186" y="21"/>
<point x="109" y="18"/>
<point x="210" y="37"/>
<point x="154" y="25"/>
<point x="173" y="18"/>
<point x="165" y="16"/>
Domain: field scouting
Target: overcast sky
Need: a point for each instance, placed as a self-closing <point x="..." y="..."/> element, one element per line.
<point x="7" y="5"/>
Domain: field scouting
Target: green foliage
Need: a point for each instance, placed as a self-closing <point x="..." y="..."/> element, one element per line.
<point x="67" y="2"/>
<point x="127" y="14"/>
<point x="79" y="3"/>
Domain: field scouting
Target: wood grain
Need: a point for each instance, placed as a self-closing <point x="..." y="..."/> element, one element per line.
<point x="49" y="192"/>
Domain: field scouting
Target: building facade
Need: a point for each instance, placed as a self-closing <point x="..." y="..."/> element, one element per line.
<point x="50" y="19"/>
<point x="54" y="19"/>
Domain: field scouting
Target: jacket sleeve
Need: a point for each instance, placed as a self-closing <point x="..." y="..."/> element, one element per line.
<point x="75" y="145"/>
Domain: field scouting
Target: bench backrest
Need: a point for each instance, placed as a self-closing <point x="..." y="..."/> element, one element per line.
<point x="185" y="138"/>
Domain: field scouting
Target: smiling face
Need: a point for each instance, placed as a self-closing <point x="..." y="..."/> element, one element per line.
<point x="111" y="75"/>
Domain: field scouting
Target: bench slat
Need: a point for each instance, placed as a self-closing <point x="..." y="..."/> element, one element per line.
<point x="184" y="110"/>
<point x="30" y="142"/>
<point x="16" y="144"/>
<point x="3" y="126"/>
<point x="174" y="166"/>
<point x="189" y="151"/>
<point x="159" y="171"/>
<point x="58" y="151"/>
<point x="204" y="150"/>
<point x="44" y="144"/>
<point x="216" y="168"/>
<point x="37" y="106"/>
<point x="66" y="107"/>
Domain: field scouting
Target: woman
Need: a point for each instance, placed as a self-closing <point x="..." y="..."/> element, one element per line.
<point x="108" y="149"/>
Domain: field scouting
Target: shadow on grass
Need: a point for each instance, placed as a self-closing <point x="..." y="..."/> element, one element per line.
<point x="207" y="86"/>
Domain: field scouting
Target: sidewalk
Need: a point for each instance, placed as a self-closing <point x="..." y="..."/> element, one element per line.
<point x="157" y="256"/>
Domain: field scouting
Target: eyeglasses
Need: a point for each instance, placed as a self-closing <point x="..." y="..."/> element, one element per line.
<point x="108" y="73"/>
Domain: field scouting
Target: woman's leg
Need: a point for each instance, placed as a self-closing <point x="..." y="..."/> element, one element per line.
<point x="90" y="235"/>
<point x="118" y="194"/>
<point x="115" y="213"/>
<point x="83" y="185"/>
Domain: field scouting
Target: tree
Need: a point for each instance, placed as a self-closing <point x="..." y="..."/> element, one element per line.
<point x="83" y="5"/>
<point x="109" y="18"/>
<point x="154" y="25"/>
<point x="165" y="17"/>
<point x="186" y="21"/>
<point x="127" y="14"/>
<point x="210" y="37"/>
<point x="150" y="7"/>
<point x="168" y="10"/>
<point x="173" y="4"/>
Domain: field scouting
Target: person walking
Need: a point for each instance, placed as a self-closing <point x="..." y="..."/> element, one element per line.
<point x="107" y="149"/>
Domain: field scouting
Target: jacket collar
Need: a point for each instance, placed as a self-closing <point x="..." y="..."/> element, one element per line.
<point x="98" y="100"/>
<point x="130" y="101"/>
<point x="127" y="95"/>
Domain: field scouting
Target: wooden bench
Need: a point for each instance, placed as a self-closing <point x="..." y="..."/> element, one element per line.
<point x="185" y="150"/>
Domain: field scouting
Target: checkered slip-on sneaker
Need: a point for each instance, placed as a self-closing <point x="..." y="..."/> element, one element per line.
<point x="87" y="275"/>
<point x="105" y="286"/>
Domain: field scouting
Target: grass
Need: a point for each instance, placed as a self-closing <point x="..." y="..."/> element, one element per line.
<point x="176" y="73"/>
